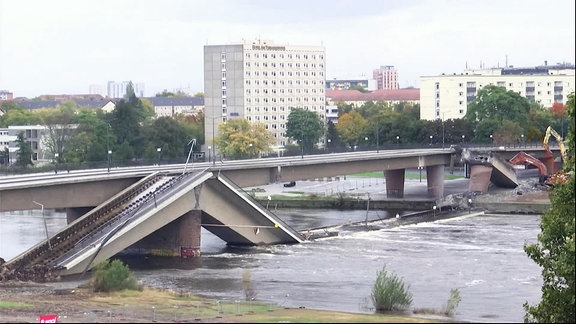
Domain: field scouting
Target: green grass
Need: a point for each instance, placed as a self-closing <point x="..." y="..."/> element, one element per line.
<point x="9" y="304"/>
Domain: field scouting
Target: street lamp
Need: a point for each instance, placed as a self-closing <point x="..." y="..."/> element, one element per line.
<point x="491" y="139"/>
<point x="397" y="140"/>
<point x="434" y="210"/>
<point x="522" y="138"/>
<point x="431" y="139"/>
<point x="45" y="226"/>
<point x="56" y="155"/>
<point x="213" y="136"/>
<point x="251" y="146"/>
<point x="366" y="139"/>
<point x="329" y="141"/>
<point x="209" y="153"/>
<point x="463" y="139"/>
<point x="109" y="159"/>
<point x="159" y="150"/>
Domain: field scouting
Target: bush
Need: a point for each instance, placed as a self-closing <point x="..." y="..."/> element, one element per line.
<point x="113" y="276"/>
<point x="390" y="293"/>
<point x="452" y="303"/>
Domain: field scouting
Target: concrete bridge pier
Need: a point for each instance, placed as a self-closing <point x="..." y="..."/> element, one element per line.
<point x="180" y="238"/>
<point x="479" y="178"/>
<point x="435" y="180"/>
<point x="395" y="183"/>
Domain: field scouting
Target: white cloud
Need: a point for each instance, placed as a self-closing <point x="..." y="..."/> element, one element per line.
<point x="63" y="46"/>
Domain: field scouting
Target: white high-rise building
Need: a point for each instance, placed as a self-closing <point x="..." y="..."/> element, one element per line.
<point x="261" y="82"/>
<point x="447" y="96"/>
<point x="118" y="89"/>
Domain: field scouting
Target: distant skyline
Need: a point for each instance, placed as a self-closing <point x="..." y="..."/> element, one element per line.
<point x="65" y="46"/>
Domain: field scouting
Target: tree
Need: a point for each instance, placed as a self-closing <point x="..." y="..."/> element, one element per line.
<point x="126" y="121"/>
<point x="304" y="127"/>
<point x="497" y="103"/>
<point x="24" y="158"/>
<point x="167" y="134"/>
<point x="238" y="138"/>
<point x="555" y="250"/>
<point x="350" y="126"/>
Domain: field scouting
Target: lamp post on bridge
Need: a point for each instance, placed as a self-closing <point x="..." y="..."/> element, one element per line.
<point x="45" y="226"/>
<point x="213" y="137"/>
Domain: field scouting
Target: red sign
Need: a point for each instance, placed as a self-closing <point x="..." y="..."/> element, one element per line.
<point x="52" y="318"/>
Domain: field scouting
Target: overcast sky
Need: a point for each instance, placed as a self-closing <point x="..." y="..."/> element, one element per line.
<point x="64" y="46"/>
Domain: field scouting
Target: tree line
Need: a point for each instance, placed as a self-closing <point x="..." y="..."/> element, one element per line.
<point x="132" y="134"/>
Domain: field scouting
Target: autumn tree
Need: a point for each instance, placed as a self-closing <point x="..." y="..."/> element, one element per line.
<point x="555" y="250"/>
<point x="238" y="138"/>
<point x="350" y="126"/>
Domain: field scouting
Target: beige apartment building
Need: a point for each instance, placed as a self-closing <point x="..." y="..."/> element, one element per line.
<point x="447" y="96"/>
<point x="261" y="81"/>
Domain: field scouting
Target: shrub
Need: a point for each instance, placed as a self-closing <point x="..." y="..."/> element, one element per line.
<point x="452" y="303"/>
<point x="390" y="293"/>
<point x="113" y="276"/>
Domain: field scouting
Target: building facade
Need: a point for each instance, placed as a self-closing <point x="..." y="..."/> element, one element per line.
<point x="447" y="96"/>
<point x="6" y="95"/>
<point x="347" y="84"/>
<point x="261" y="82"/>
<point x="386" y="78"/>
<point x="118" y="89"/>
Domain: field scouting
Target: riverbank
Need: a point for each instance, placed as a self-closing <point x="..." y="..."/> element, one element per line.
<point x="369" y="193"/>
<point x="26" y="302"/>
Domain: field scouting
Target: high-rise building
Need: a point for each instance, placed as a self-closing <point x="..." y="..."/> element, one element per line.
<point x="6" y="95"/>
<point x="118" y="89"/>
<point x="261" y="82"/>
<point x="447" y="96"/>
<point x="386" y="78"/>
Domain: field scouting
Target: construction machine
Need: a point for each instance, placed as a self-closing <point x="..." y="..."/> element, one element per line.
<point x="550" y="131"/>
<point x="557" y="176"/>
<point x="523" y="157"/>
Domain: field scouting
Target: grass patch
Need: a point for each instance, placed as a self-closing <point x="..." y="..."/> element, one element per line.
<point x="9" y="304"/>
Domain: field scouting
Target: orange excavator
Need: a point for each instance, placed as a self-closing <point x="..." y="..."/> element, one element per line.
<point x="523" y="157"/>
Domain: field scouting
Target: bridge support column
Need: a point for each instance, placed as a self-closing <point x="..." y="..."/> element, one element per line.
<point x="180" y="238"/>
<point x="435" y="180"/>
<point x="395" y="183"/>
<point x="479" y="178"/>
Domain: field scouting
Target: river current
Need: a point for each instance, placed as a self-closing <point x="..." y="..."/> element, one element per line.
<point x="481" y="255"/>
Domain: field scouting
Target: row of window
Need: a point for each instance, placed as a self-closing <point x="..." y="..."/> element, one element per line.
<point x="472" y="84"/>
<point x="282" y="56"/>
<point x="282" y="74"/>
<point x="257" y="110"/>
<point x="249" y="92"/>
<point x="283" y="65"/>
<point x="299" y="82"/>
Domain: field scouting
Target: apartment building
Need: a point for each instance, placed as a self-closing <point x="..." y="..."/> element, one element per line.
<point x="447" y="96"/>
<point x="386" y="78"/>
<point x="262" y="81"/>
<point x="118" y="89"/>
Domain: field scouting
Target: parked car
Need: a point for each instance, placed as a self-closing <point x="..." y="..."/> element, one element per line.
<point x="290" y="184"/>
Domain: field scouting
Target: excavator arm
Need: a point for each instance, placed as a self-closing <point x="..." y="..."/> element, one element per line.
<point x="551" y="131"/>
<point x="523" y="157"/>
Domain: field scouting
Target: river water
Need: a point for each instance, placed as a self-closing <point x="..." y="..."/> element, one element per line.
<point x="480" y="255"/>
